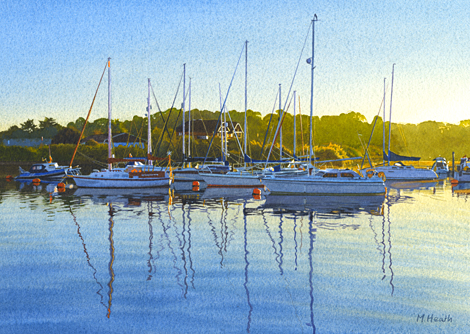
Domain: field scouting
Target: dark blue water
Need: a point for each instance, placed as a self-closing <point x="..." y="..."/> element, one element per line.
<point x="219" y="261"/>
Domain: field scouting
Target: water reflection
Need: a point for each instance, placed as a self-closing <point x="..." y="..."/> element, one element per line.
<point x="312" y="234"/>
<point x="325" y="206"/>
<point x="462" y="189"/>
<point x="111" y="258"/>
<point x="88" y="258"/>
<point x="245" y="244"/>
<point x="223" y="252"/>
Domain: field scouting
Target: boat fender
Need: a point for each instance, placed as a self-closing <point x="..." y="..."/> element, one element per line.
<point x="134" y="171"/>
<point x="257" y="194"/>
<point x="382" y="176"/>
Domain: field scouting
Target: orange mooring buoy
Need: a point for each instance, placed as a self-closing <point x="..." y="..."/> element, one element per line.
<point x="196" y="184"/>
<point x="36" y="180"/>
<point x="9" y="178"/>
<point x="454" y="182"/>
<point x="256" y="193"/>
<point x="61" y="185"/>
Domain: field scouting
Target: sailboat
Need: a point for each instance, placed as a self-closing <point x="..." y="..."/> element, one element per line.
<point x="186" y="173"/>
<point x="328" y="181"/>
<point x="242" y="178"/>
<point x="135" y="174"/>
<point x="398" y="170"/>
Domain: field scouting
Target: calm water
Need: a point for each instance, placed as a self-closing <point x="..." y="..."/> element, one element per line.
<point x="219" y="261"/>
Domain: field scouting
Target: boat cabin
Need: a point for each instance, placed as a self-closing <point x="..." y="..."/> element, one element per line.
<point x="337" y="173"/>
<point x="41" y="168"/>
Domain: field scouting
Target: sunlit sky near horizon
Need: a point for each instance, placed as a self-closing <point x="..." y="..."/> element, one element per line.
<point x="53" y="54"/>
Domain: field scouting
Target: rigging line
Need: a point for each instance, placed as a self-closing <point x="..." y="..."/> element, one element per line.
<point x="223" y="105"/>
<point x="269" y="123"/>
<point x="168" y="118"/>
<point x="158" y="106"/>
<point x="403" y="137"/>
<point x="160" y="111"/>
<point x="203" y="124"/>
<point x="176" y="122"/>
<point x="301" y="128"/>
<point x="290" y="88"/>
<point x="93" y="160"/>
<point x="236" y="136"/>
<point x="373" y="127"/>
<point x="88" y="116"/>
<point x="287" y="109"/>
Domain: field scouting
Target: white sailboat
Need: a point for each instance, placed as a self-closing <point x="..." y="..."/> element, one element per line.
<point x="186" y="173"/>
<point x="243" y="178"/>
<point x="134" y="175"/>
<point x="329" y="181"/>
<point x="398" y="170"/>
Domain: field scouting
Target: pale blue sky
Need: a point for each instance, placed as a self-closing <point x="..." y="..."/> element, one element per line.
<point x="53" y="53"/>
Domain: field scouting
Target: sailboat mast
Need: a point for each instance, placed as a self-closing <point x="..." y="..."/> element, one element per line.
<point x="311" y="89"/>
<point x="184" y="110"/>
<point x="390" y="117"/>
<point x="295" y="137"/>
<point x="189" y="121"/>
<point x="110" y="165"/>
<point x="222" y="125"/>
<point x="383" y="141"/>
<point x="149" y="127"/>
<point x="280" y="130"/>
<point x="246" y="101"/>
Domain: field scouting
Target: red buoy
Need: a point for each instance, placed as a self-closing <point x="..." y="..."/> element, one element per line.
<point x="257" y="193"/>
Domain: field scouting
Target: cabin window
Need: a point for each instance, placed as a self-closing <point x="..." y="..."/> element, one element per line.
<point x="330" y="175"/>
<point x="347" y="175"/>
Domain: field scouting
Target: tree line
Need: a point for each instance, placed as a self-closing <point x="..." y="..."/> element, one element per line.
<point x="335" y="137"/>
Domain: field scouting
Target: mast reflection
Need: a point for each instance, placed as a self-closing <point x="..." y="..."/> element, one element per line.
<point x="312" y="236"/>
<point x="88" y="258"/>
<point x="111" y="261"/>
<point x="250" y="307"/>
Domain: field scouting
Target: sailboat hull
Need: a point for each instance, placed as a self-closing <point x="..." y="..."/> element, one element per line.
<point x="233" y="180"/>
<point x="322" y="186"/>
<point x="408" y="173"/>
<point x="118" y="179"/>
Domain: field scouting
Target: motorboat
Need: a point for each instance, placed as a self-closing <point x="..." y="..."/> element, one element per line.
<point x="400" y="171"/>
<point x="47" y="171"/>
<point x="462" y="174"/>
<point x="441" y="167"/>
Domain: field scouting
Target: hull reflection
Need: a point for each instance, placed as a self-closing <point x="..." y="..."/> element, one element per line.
<point x="326" y="204"/>
<point x="132" y="197"/>
<point x="228" y="193"/>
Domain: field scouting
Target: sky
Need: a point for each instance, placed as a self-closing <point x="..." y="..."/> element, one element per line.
<point x="54" y="52"/>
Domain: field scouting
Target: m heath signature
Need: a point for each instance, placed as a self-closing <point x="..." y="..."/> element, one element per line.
<point x="431" y="318"/>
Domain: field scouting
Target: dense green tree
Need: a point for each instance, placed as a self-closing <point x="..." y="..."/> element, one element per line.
<point x="28" y="126"/>
<point x="66" y="136"/>
<point x="48" y="122"/>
